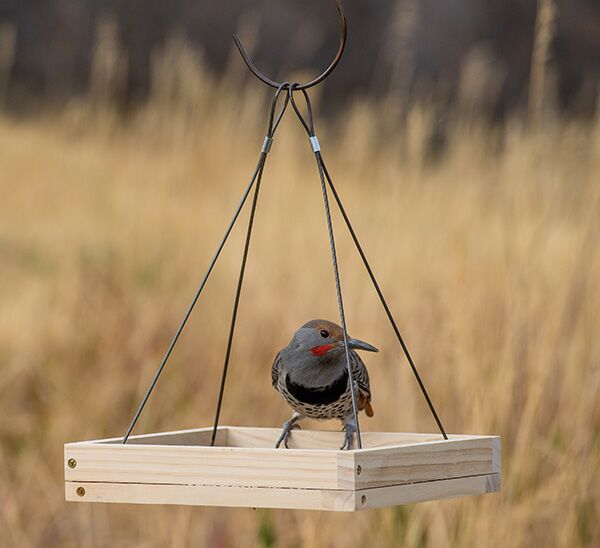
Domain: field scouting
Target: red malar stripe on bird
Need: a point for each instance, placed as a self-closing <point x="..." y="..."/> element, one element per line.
<point x="320" y="350"/>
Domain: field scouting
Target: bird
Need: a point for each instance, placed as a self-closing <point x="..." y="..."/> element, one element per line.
<point x="311" y="374"/>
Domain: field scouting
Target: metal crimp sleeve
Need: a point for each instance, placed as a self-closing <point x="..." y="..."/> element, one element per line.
<point x="267" y="144"/>
<point x="314" y="143"/>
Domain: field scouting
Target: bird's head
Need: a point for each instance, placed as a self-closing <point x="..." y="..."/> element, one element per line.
<point x="322" y="341"/>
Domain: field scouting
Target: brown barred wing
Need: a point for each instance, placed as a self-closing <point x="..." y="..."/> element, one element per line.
<point x="275" y="370"/>
<point x="361" y="377"/>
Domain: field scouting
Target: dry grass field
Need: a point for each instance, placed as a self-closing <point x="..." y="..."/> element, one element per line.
<point x="490" y="259"/>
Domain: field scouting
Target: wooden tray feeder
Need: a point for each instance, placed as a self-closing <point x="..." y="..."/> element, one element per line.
<point x="234" y="466"/>
<point x="243" y="469"/>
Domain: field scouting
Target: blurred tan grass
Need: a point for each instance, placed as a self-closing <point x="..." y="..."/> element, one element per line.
<point x="490" y="260"/>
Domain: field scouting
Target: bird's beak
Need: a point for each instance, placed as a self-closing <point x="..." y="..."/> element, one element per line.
<point x="355" y="344"/>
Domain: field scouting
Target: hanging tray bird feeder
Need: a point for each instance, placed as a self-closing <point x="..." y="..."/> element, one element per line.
<point x="235" y="466"/>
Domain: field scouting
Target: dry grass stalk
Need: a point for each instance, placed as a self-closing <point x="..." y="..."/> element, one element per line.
<point x="543" y="35"/>
<point x="8" y="35"/>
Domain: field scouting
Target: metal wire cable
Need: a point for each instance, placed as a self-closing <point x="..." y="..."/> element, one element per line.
<point x="308" y="124"/>
<point x="309" y="127"/>
<point x="383" y="301"/>
<point x="273" y="125"/>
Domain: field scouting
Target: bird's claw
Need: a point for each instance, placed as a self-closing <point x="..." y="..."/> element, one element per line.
<point x="287" y="428"/>
<point x="349" y="429"/>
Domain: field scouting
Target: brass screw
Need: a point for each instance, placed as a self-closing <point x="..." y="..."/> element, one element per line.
<point x="358" y="470"/>
<point x="72" y="463"/>
<point x="80" y="491"/>
<point x="363" y="499"/>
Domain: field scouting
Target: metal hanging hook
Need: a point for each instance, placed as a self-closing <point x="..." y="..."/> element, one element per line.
<point x="342" y="46"/>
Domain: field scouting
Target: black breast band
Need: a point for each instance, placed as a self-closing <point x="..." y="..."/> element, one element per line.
<point x="318" y="396"/>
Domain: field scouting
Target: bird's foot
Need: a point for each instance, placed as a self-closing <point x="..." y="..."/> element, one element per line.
<point x="349" y="429"/>
<point x="287" y="428"/>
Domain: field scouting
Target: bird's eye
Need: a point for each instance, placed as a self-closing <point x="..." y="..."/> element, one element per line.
<point x="324" y="333"/>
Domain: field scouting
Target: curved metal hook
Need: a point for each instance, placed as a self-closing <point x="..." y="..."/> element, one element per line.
<point x="318" y="79"/>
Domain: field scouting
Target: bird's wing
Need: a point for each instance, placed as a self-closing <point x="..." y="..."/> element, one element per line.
<point x="360" y="374"/>
<point x="361" y="377"/>
<point x="275" y="369"/>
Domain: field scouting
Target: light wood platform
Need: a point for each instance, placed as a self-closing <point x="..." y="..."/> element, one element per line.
<point x="244" y="469"/>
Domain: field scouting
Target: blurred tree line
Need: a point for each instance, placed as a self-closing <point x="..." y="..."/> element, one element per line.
<point x="462" y="52"/>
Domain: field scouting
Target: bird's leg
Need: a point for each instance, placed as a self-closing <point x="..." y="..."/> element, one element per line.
<point x="288" y="426"/>
<point x="350" y="429"/>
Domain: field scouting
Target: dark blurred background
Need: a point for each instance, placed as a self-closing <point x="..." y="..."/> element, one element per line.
<point x="410" y="48"/>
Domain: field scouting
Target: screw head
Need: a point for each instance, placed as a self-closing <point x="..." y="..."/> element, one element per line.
<point x="81" y="491"/>
<point x="72" y="463"/>
<point x="358" y="470"/>
<point x="363" y="500"/>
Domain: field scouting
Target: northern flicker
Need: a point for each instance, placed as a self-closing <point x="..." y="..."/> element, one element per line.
<point x="311" y="373"/>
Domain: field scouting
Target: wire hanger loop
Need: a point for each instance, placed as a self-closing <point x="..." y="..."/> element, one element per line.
<point x="338" y="56"/>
